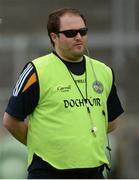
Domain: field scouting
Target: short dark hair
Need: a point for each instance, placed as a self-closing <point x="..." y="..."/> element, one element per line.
<point x="53" y="24"/>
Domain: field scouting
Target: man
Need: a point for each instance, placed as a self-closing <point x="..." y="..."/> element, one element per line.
<point x="71" y="104"/>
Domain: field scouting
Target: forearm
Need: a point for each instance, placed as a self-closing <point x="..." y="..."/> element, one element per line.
<point x="112" y="126"/>
<point x="16" y="127"/>
<point x="19" y="131"/>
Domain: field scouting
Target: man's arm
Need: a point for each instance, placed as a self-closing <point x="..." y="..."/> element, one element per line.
<point x="16" y="127"/>
<point x="112" y="125"/>
<point x="114" y="106"/>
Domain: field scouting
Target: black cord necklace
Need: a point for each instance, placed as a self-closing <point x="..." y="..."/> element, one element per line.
<point x="94" y="129"/>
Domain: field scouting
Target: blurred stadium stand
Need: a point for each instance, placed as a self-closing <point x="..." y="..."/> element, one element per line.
<point x="13" y="159"/>
<point x="113" y="38"/>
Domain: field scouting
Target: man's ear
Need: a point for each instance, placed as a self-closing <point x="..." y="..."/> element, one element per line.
<point x="54" y="37"/>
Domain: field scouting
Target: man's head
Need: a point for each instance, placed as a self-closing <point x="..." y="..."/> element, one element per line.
<point x="67" y="31"/>
<point x="53" y="24"/>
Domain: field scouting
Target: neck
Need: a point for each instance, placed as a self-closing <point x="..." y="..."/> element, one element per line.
<point x="73" y="60"/>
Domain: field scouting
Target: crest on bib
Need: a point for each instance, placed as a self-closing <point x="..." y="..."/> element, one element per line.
<point x="98" y="87"/>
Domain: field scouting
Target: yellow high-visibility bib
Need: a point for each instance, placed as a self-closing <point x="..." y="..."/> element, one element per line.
<point x="60" y="127"/>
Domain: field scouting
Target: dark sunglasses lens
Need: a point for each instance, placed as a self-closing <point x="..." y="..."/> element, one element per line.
<point x="70" y="33"/>
<point x="83" y="32"/>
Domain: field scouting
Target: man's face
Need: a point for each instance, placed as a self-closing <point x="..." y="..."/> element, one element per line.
<point x="70" y="48"/>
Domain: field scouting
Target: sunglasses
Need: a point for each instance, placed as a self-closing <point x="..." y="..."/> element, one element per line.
<point x="73" y="32"/>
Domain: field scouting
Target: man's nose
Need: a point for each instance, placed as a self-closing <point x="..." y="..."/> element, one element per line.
<point x="78" y="35"/>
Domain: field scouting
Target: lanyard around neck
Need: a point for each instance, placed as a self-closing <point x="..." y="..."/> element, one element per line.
<point x="94" y="129"/>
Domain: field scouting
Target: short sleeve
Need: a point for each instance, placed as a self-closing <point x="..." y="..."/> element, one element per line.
<point x="114" y="106"/>
<point x="25" y="94"/>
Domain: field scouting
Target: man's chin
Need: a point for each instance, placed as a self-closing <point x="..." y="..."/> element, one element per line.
<point x="79" y="53"/>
